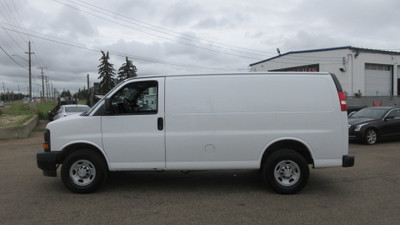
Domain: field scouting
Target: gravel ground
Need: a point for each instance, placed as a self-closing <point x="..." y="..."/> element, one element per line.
<point x="367" y="193"/>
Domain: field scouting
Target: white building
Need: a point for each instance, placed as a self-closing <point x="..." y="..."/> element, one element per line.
<point x="361" y="72"/>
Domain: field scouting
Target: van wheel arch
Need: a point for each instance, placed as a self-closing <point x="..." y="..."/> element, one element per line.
<point x="75" y="147"/>
<point x="286" y="171"/>
<point x="287" y="144"/>
<point x="84" y="171"/>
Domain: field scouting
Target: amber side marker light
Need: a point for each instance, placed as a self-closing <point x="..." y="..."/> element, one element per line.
<point x="46" y="147"/>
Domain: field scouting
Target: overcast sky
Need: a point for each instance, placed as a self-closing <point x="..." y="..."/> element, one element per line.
<point x="177" y="36"/>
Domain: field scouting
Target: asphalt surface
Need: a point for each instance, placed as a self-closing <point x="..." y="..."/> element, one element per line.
<point x="368" y="193"/>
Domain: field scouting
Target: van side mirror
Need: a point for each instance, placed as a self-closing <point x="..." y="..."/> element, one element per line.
<point x="108" y="106"/>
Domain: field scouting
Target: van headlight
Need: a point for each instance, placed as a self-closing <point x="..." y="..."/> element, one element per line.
<point x="358" y="127"/>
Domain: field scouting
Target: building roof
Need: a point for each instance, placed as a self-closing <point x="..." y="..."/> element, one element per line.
<point x="355" y="49"/>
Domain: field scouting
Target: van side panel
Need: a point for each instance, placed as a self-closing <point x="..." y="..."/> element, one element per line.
<point x="220" y="122"/>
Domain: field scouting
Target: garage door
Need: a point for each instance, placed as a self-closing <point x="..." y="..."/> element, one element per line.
<point x="378" y="80"/>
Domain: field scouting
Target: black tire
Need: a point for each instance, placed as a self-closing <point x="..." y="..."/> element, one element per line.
<point x="83" y="171"/>
<point x="286" y="171"/>
<point x="370" y="137"/>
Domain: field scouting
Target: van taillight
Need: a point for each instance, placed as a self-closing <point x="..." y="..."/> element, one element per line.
<point x="342" y="99"/>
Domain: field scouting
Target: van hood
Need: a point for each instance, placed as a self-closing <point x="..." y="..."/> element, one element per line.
<point x="64" y="120"/>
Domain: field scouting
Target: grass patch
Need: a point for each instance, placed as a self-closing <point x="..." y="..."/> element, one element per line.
<point x="43" y="108"/>
<point x="16" y="110"/>
<point x="39" y="129"/>
<point x="82" y="101"/>
<point x="13" y="121"/>
<point x="21" y="122"/>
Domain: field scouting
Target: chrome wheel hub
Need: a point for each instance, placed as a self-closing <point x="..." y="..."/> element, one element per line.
<point x="287" y="173"/>
<point x="82" y="172"/>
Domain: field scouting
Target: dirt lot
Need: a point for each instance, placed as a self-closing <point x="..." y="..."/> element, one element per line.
<point x="365" y="194"/>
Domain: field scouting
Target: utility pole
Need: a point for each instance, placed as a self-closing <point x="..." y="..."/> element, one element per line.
<point x="51" y="91"/>
<point x="87" y="81"/>
<point x="47" y="88"/>
<point x="42" y="73"/>
<point x="30" y="70"/>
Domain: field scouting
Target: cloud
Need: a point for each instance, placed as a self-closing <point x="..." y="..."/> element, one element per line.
<point x="303" y="40"/>
<point x="210" y="23"/>
<point x="72" y="24"/>
<point x="180" y="36"/>
<point x="182" y="13"/>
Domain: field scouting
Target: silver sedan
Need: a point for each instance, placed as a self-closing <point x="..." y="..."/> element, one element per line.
<point x="67" y="110"/>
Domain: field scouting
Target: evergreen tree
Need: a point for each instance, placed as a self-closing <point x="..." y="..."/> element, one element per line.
<point x="65" y="93"/>
<point x="127" y="70"/>
<point x="82" y="93"/>
<point x="106" y="73"/>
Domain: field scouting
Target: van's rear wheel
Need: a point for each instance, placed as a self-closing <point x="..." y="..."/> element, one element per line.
<point x="83" y="171"/>
<point x="286" y="171"/>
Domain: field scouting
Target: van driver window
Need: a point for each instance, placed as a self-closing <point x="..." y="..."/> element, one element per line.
<point x="136" y="98"/>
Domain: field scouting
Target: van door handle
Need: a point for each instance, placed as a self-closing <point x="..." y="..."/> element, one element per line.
<point x="160" y="123"/>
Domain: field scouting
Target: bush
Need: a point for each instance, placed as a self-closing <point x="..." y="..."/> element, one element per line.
<point x="42" y="109"/>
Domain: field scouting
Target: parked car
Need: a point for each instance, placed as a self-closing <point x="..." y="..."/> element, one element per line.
<point x="67" y="110"/>
<point x="60" y="101"/>
<point x="25" y="100"/>
<point x="351" y="109"/>
<point x="374" y="123"/>
<point x="2" y="105"/>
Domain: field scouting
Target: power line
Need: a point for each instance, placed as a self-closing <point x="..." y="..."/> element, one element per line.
<point x="12" y="58"/>
<point x="159" y="36"/>
<point x="14" y="18"/>
<point x="37" y="56"/>
<point x="8" y="14"/>
<point x="18" y="19"/>
<point x="139" y="58"/>
<point x="169" y="31"/>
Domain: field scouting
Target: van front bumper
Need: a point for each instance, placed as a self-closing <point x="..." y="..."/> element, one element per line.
<point x="48" y="161"/>
<point x="347" y="161"/>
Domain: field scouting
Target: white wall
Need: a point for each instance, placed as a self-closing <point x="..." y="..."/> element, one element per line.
<point x="352" y="78"/>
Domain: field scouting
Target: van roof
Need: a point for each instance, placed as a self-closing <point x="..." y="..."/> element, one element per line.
<point x="230" y="74"/>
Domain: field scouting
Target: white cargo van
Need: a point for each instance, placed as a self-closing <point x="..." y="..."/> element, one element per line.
<point x="279" y="123"/>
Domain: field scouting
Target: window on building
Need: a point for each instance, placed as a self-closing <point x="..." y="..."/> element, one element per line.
<point x="369" y="66"/>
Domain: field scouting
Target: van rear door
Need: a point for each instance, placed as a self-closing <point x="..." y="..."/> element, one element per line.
<point x="133" y="133"/>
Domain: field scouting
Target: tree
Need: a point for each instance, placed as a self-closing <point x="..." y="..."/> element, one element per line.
<point x="106" y="73"/>
<point x="82" y="94"/>
<point x="65" y="93"/>
<point x="127" y="70"/>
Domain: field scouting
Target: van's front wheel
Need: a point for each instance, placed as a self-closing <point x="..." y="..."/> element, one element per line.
<point x="83" y="171"/>
<point x="286" y="171"/>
